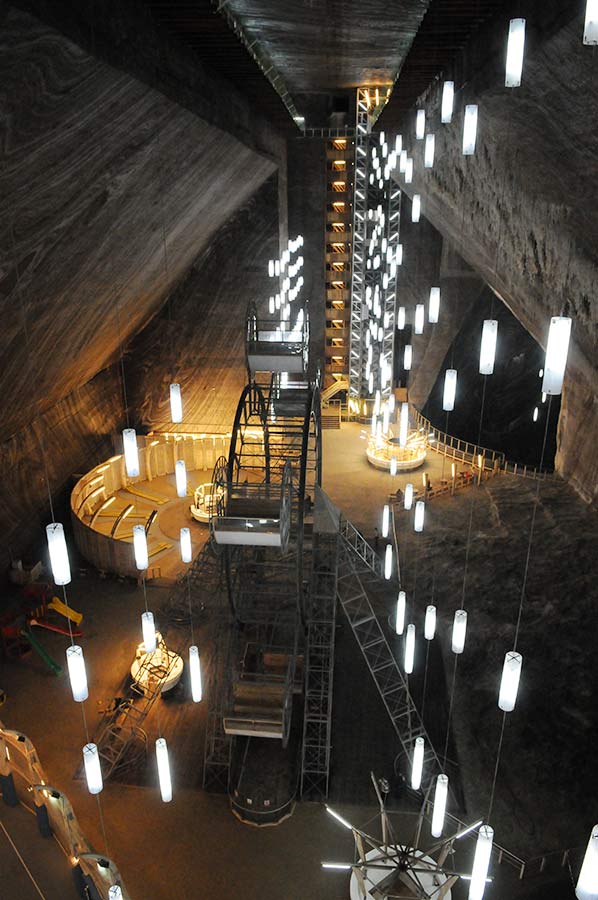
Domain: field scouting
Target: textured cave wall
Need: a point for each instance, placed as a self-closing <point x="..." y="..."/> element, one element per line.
<point x="522" y="210"/>
<point x="109" y="193"/>
<point x="198" y="338"/>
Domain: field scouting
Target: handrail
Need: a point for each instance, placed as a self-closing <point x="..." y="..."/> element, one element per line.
<point x="357" y="541"/>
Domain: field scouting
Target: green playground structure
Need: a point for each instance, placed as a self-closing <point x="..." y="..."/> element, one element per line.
<point x="35" y="644"/>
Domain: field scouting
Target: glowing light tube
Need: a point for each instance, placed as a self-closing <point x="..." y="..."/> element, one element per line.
<point x="403" y="424"/>
<point x="430" y="625"/>
<point x="115" y="893"/>
<point x="450" y="389"/>
<point x="429" y="151"/>
<point x="164" y="770"/>
<point x="459" y="631"/>
<point x="407" y="357"/>
<point x="418" y="520"/>
<point x="440" y="798"/>
<point x="448" y="100"/>
<point x="180" y="474"/>
<point x="393" y="466"/>
<point x="401" y="612"/>
<point x="416" y="207"/>
<point x="77" y="675"/>
<point x="557" y="349"/>
<point x="388" y="562"/>
<point x="408" y="499"/>
<point x="148" y="629"/>
<point x="140" y="547"/>
<point x="176" y="403"/>
<point x="410" y="649"/>
<point x="401" y="318"/>
<point x="509" y="684"/>
<point x="481" y="861"/>
<point x="434" y="305"/>
<point x="535" y="414"/>
<point x="271" y="268"/>
<point x="195" y="673"/>
<point x="420" y="124"/>
<point x="419" y="318"/>
<point x="93" y="772"/>
<point x="515" y="48"/>
<point x="590" y="32"/>
<point x="131" y="452"/>
<point x="385" y="520"/>
<point x="470" y="129"/>
<point x="409" y="171"/>
<point x="587" y="883"/>
<point x="59" y="557"/>
<point x="185" y="543"/>
<point x="488" y="346"/>
<point x="339" y="818"/>
<point x="417" y="765"/>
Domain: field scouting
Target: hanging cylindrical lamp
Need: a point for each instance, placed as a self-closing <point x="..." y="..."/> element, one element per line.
<point x="393" y="466"/>
<point x="430" y="623"/>
<point x="440" y="798"/>
<point x="75" y="662"/>
<point x="131" y="452"/>
<point x="148" y="629"/>
<point x="535" y="414"/>
<point x="388" y="562"/>
<point x="450" y="389"/>
<point x="271" y="268"/>
<point x="590" y="31"/>
<point x="176" y="403"/>
<point x="459" y="631"/>
<point x="407" y="357"/>
<point x="470" y="129"/>
<point x="481" y="862"/>
<point x="447" y="102"/>
<point x="401" y="318"/>
<point x="93" y="771"/>
<point x="403" y="424"/>
<point x="185" y="544"/>
<point x="409" y="171"/>
<point x="401" y="612"/>
<point x="385" y="520"/>
<point x="403" y="161"/>
<point x="420" y="315"/>
<point x="417" y="766"/>
<point x="509" y="684"/>
<point x="587" y="883"/>
<point x="420" y="124"/>
<point x="59" y="557"/>
<point x="429" y="151"/>
<point x="488" y="346"/>
<point x="180" y="475"/>
<point x="416" y="206"/>
<point x="434" y="305"/>
<point x="515" y="48"/>
<point x="408" y="498"/>
<point x="557" y="349"/>
<point x="410" y="649"/>
<point x="140" y="547"/>
<point x="195" y="673"/>
<point x="115" y="893"/>
<point x="164" y="769"/>
<point x="418" y="519"/>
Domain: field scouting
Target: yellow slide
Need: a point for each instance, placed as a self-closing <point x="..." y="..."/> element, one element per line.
<point x="66" y="611"/>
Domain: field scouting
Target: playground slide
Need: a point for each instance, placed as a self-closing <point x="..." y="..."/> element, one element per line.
<point x="66" y="611"/>
<point x="35" y="644"/>
<point x="75" y="632"/>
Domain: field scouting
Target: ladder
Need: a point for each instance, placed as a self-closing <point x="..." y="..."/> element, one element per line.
<point x="218" y="744"/>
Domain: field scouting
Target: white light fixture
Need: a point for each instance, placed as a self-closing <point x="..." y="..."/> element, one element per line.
<point x="195" y="673"/>
<point x="401" y="318"/>
<point x="176" y="403"/>
<point x="59" y="557"/>
<point x="434" y="305"/>
<point x="418" y="520"/>
<point x="481" y="861"/>
<point x="271" y="268"/>
<point x="388" y="562"/>
<point x="440" y="798"/>
<point x="140" y="547"/>
<point x="420" y="315"/>
<point x="148" y="629"/>
<point x="131" y="452"/>
<point x="336" y="865"/>
<point x="417" y="766"/>
<point x="393" y="466"/>
<point x="450" y="388"/>
<point x="339" y="818"/>
<point x="385" y="520"/>
<point x="271" y="305"/>
<point x="399" y="255"/>
<point x="408" y="499"/>
<point x="416" y="206"/>
<point x="93" y="772"/>
<point x="115" y="893"/>
<point x="488" y="346"/>
<point x="590" y="32"/>
<point x="470" y="129"/>
<point x="459" y="631"/>
<point x="403" y="161"/>
<point x="535" y="414"/>
<point x="407" y="357"/>
<point x="430" y="623"/>
<point x="587" y="883"/>
<point x="410" y="649"/>
<point x="164" y="769"/>
<point x="429" y="151"/>
<point x="515" y="47"/>
<point x="509" y="684"/>
<point x="401" y="611"/>
<point x="398" y="143"/>
<point x="180" y="474"/>
<point x="557" y="349"/>
<point x="185" y="543"/>
<point x="420" y="124"/>
<point x="77" y="675"/>
<point x="409" y="171"/>
<point x="448" y="99"/>
<point x="403" y="424"/>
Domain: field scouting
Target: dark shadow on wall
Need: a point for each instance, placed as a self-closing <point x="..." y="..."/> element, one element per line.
<point x="512" y="392"/>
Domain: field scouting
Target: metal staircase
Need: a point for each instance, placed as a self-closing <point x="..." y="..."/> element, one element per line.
<point x="218" y="744"/>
